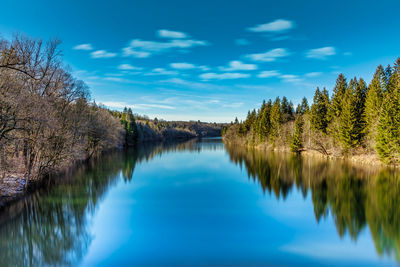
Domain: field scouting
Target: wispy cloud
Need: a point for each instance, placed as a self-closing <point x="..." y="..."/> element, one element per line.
<point x="321" y="53"/>
<point x="223" y="76"/>
<point x="187" y="66"/>
<point x="142" y="49"/>
<point x="242" y="41"/>
<point x="128" y="67"/>
<point x="171" y="34"/>
<point x="86" y="47"/>
<point x="236" y="65"/>
<point x="290" y="78"/>
<point x="161" y="71"/>
<point x="279" y="25"/>
<point x="102" y="54"/>
<point x="121" y="105"/>
<point x="268" y="74"/>
<point x="269" y="56"/>
<point x="313" y="74"/>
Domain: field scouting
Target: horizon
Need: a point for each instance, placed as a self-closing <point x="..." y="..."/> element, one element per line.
<point x="210" y="61"/>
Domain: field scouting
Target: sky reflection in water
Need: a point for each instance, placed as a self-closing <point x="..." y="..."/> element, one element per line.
<point x="203" y="203"/>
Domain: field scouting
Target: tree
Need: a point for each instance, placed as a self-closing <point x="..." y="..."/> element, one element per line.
<point x="275" y="119"/>
<point x="373" y="102"/>
<point x="319" y="110"/>
<point x="360" y="92"/>
<point x="304" y="106"/>
<point x="347" y="130"/>
<point x="338" y="95"/>
<point x="297" y="143"/>
<point x="388" y="130"/>
<point x="265" y="122"/>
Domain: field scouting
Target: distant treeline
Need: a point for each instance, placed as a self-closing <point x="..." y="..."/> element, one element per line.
<point x="357" y="119"/>
<point x="48" y="121"/>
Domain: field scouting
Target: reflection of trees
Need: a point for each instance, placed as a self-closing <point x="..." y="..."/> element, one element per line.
<point x="50" y="227"/>
<point x="354" y="197"/>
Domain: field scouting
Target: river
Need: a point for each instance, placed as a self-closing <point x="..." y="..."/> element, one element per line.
<point x="204" y="203"/>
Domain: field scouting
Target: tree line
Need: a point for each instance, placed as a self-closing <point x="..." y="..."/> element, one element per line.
<point x="47" y="119"/>
<point x="356" y="119"/>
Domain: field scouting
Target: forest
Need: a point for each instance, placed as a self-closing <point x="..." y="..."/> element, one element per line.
<point x="357" y="119"/>
<point x="48" y="121"/>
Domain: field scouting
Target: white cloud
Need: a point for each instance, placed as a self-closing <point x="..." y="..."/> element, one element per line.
<point x="128" y="67"/>
<point x="161" y="71"/>
<point x="268" y="74"/>
<point x="269" y="56"/>
<point x="223" y="76"/>
<point x="86" y="47"/>
<point x="242" y="41"/>
<point x="102" y="54"/>
<point x="171" y="34"/>
<point x="313" y="74"/>
<point x="182" y="66"/>
<point x="121" y="105"/>
<point x="141" y="49"/>
<point x="290" y="78"/>
<point x="321" y="53"/>
<point x="279" y="25"/>
<point x="236" y="65"/>
<point x="150" y="106"/>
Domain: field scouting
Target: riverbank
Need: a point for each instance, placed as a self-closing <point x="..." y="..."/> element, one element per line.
<point x="359" y="159"/>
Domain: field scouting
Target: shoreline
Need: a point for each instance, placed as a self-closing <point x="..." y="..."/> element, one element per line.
<point x="366" y="160"/>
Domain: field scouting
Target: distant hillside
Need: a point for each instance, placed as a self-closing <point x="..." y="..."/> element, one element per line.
<point x="174" y="130"/>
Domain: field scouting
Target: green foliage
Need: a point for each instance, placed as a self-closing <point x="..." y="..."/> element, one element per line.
<point x="373" y="101"/>
<point x="297" y="143"/>
<point x="275" y="119"/>
<point x="357" y="117"/>
<point x="347" y="130"/>
<point x="128" y="122"/>
<point x="388" y="129"/>
<point x="265" y="121"/>
<point x="319" y="110"/>
<point x="338" y="94"/>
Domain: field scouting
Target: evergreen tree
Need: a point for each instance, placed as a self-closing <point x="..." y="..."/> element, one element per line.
<point x="319" y="110"/>
<point x="373" y="101"/>
<point x="298" y="110"/>
<point x="286" y="110"/>
<point x="304" y="106"/>
<point x="360" y="92"/>
<point x="337" y="97"/>
<point x="275" y="119"/>
<point x="128" y="121"/>
<point x="265" y="122"/>
<point x="297" y="143"/>
<point x="388" y="130"/>
<point x="348" y="119"/>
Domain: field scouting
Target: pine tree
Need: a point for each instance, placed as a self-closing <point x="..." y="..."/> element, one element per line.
<point x="337" y="97"/>
<point x="275" y="119"/>
<point x="319" y="110"/>
<point x="388" y="130"/>
<point x="304" y="106"/>
<point x="373" y="102"/>
<point x="297" y="143"/>
<point x="286" y="110"/>
<point x="360" y="92"/>
<point x="265" y="122"/>
<point x="347" y="131"/>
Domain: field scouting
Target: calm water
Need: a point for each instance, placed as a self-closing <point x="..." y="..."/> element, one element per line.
<point x="203" y="203"/>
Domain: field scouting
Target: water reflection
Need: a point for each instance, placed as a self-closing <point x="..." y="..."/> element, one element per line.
<point x="53" y="226"/>
<point x="356" y="197"/>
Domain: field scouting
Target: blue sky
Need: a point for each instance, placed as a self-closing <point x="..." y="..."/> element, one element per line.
<point x="210" y="60"/>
